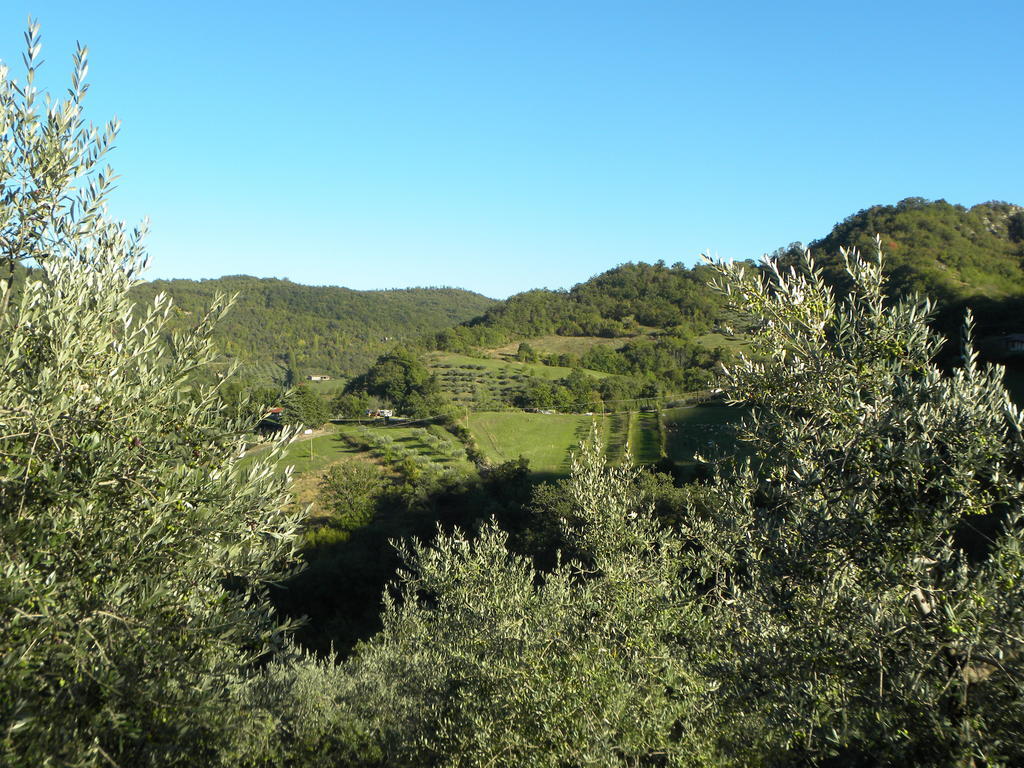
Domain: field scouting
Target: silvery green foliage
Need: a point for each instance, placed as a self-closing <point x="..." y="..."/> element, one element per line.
<point x="135" y="552"/>
<point x="865" y="572"/>
<point x="52" y="194"/>
<point x="299" y="713"/>
<point x="485" y="661"/>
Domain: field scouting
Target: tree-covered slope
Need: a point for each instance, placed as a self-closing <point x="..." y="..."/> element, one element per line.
<point x="956" y="255"/>
<point x="619" y="302"/>
<point x="277" y="324"/>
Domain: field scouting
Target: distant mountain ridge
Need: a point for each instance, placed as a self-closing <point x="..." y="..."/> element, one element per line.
<point x="277" y="326"/>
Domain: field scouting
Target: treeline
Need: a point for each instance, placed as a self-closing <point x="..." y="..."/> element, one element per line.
<point x="676" y="361"/>
<point x="281" y="331"/>
<point x="401" y="381"/>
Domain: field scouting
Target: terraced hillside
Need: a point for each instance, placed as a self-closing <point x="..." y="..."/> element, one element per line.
<point x="423" y="448"/>
<point x="475" y="382"/>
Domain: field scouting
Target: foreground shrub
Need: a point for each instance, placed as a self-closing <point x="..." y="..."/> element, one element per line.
<point x="136" y="552"/>
<point x="484" y="660"/>
<point x="865" y="571"/>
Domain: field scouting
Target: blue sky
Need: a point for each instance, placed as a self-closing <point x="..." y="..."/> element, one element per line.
<point x="506" y="146"/>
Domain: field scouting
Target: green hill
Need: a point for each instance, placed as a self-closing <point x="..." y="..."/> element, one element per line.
<point x="277" y="325"/>
<point x="642" y="322"/>
<point x="959" y="256"/>
<point x="622" y="302"/>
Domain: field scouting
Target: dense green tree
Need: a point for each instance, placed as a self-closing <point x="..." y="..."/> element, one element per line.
<point x="303" y="406"/>
<point x="486" y="661"/>
<point x="349" y="491"/>
<point x="401" y="380"/>
<point x="863" y="574"/>
<point x="136" y="550"/>
<point x="613" y="304"/>
<point x="352" y="404"/>
<point x="43" y="156"/>
<point x="602" y="358"/>
<point x="394" y="376"/>
<point x="526" y="353"/>
<point x="960" y="257"/>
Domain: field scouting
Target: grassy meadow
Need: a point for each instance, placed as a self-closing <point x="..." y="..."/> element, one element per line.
<point x="547" y="439"/>
<point x="544" y="439"/>
<point x="563" y="345"/>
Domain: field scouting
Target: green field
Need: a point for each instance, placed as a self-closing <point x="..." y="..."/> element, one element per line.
<point x="564" y="345"/>
<point x="326" y="388"/>
<point x="543" y="439"/>
<point x="615" y="432"/>
<point x="645" y="437"/>
<point x="311" y="456"/>
<point x="737" y="343"/>
<point x="546" y="440"/>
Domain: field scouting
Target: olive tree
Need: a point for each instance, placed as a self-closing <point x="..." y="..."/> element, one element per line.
<point x="864" y="569"/>
<point x="135" y="548"/>
<point x="485" y="660"/>
<point x="52" y="190"/>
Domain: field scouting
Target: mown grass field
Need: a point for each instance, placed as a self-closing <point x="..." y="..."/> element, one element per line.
<point x="737" y="343"/>
<point x="615" y="432"/>
<point x="578" y="345"/>
<point x="326" y="388"/>
<point x="564" y="345"/>
<point x="545" y="440"/>
<point x="645" y="437"/>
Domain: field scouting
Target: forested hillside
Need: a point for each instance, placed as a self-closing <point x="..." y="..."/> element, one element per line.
<point x="639" y="322"/>
<point x="277" y="326"/>
<point x="958" y="256"/>
<point x="620" y="302"/>
<point x="282" y="331"/>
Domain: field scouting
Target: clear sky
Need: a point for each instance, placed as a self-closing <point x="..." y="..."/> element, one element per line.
<point x="502" y="146"/>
